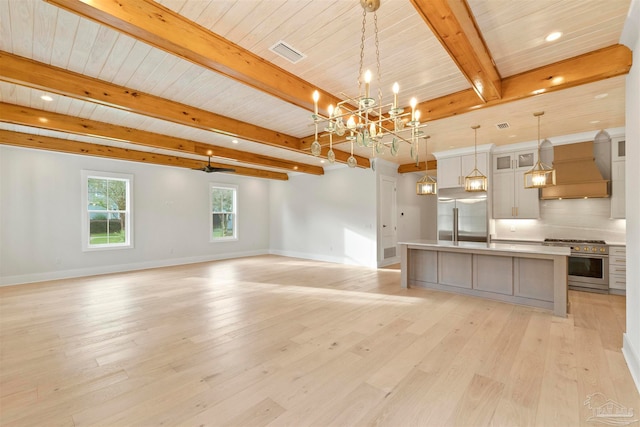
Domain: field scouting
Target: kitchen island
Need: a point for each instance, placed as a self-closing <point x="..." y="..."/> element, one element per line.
<point x="533" y="275"/>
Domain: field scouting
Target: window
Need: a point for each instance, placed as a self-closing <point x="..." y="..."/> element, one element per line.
<point x="224" y="218"/>
<point x="106" y="210"/>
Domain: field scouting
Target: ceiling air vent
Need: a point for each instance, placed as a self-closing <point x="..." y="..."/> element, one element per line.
<point x="503" y="125"/>
<point x="287" y="52"/>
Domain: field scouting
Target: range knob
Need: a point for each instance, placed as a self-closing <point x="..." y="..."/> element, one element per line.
<point x="594" y="249"/>
<point x="576" y="248"/>
<point x="586" y="248"/>
<point x="602" y="250"/>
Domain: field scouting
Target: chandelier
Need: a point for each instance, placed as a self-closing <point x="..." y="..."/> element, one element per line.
<point x="364" y="121"/>
<point x="427" y="185"/>
<point x="475" y="181"/>
<point x="540" y="175"/>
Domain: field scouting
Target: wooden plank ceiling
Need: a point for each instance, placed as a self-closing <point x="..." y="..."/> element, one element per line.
<point x="179" y="79"/>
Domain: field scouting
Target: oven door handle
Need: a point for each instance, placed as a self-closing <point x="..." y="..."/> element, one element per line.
<point x="588" y="255"/>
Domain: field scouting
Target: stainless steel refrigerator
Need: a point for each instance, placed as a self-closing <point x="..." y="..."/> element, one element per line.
<point x="462" y="216"/>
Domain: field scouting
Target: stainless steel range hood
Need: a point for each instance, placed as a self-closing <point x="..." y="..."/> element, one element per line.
<point x="577" y="175"/>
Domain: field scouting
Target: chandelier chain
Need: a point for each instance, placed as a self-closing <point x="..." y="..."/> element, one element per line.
<point x="362" y="38"/>
<point x="375" y="22"/>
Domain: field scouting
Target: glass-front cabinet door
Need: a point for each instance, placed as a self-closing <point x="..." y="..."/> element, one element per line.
<point x="503" y="163"/>
<point x="525" y="160"/>
<point x="513" y="161"/>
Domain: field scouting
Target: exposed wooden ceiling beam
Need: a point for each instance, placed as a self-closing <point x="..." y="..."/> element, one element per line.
<point x="587" y="68"/>
<point x="26" y="140"/>
<point x="591" y="67"/>
<point x="412" y="167"/>
<point x="26" y="116"/>
<point x="158" y="26"/>
<point x="26" y="72"/>
<point x="452" y="22"/>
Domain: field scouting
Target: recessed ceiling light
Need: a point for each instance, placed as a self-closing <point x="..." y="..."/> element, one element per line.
<point x="538" y="92"/>
<point x="321" y="160"/>
<point x="553" y="36"/>
<point x="557" y="80"/>
<point x="295" y="168"/>
<point x="593" y="122"/>
<point x="601" y="95"/>
<point x="46" y="98"/>
<point x="43" y="120"/>
<point x="235" y="141"/>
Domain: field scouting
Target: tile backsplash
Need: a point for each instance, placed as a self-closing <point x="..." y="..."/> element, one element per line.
<point x="565" y="219"/>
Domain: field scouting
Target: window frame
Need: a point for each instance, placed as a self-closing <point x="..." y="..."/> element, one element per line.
<point x="85" y="213"/>
<point x="222" y="186"/>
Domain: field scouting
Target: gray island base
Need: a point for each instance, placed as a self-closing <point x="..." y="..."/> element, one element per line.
<point x="533" y="275"/>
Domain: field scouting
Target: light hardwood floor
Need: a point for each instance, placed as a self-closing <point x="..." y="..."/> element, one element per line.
<point x="279" y="341"/>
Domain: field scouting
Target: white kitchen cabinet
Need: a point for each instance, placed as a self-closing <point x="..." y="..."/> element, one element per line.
<point x="617" y="177"/>
<point x="452" y="170"/>
<point x="449" y="172"/>
<point x="510" y="161"/>
<point x="617" y="269"/>
<point x="510" y="198"/>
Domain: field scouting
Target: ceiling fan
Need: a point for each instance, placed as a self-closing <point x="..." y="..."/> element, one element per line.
<point x="208" y="168"/>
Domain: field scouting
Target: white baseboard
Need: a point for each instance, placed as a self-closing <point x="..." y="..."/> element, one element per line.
<point x="317" y="257"/>
<point x="388" y="261"/>
<point x="633" y="360"/>
<point x="119" y="268"/>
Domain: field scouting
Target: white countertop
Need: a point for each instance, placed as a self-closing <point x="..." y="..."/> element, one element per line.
<point x="492" y="247"/>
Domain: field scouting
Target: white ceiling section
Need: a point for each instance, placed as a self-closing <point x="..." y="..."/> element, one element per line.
<point x="328" y="33"/>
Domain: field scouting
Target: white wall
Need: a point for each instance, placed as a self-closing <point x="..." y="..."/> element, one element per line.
<point x="417" y="215"/>
<point x="327" y="218"/>
<point x="631" y="344"/>
<point x="40" y="217"/>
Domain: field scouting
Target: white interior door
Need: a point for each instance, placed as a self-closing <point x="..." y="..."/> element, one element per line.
<point x="387" y="228"/>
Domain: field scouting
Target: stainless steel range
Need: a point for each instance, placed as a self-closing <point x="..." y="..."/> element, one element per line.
<point x="588" y="264"/>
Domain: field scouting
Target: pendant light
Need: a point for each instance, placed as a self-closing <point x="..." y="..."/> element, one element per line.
<point x="475" y="181"/>
<point x="426" y="185"/>
<point x="540" y="175"/>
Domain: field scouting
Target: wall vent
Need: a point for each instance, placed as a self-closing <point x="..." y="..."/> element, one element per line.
<point x="286" y="51"/>
<point x="503" y="125"/>
<point x="390" y="252"/>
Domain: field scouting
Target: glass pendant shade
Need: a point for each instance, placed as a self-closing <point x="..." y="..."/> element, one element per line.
<point x="426" y="186"/>
<point x="540" y="175"/>
<point x="475" y="181"/>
